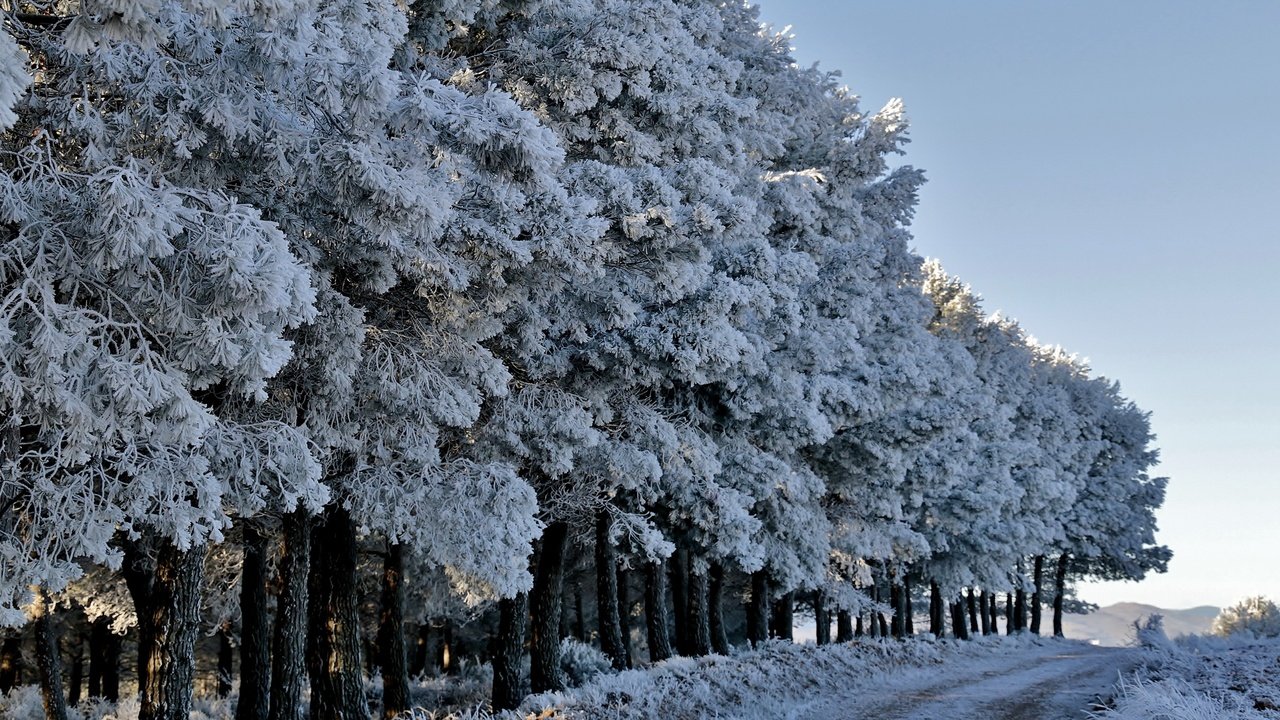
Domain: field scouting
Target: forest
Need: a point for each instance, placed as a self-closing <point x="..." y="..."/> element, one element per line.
<point x="377" y="337"/>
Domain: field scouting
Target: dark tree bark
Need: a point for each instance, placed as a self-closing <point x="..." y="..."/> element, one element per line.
<point x="972" y="601"/>
<point x="1037" y="576"/>
<point x="544" y="607"/>
<point x="165" y="584"/>
<point x="935" y="610"/>
<point x="334" y="661"/>
<point x="508" y="651"/>
<point x="655" y="611"/>
<point x="993" y="603"/>
<point x="421" y="647"/>
<point x="444" y="648"/>
<point x="255" y="629"/>
<point x="75" y="682"/>
<point x="699" y="614"/>
<point x="984" y="611"/>
<point x="715" y="600"/>
<point x="48" y="658"/>
<point x="1020" y="608"/>
<point x="289" y="649"/>
<point x="758" y="609"/>
<point x="898" y="624"/>
<point x="821" y="618"/>
<point x="579" y="614"/>
<point x="906" y="601"/>
<point x="680" y="601"/>
<point x="844" y="626"/>
<point x="1010" y="624"/>
<point x="782" y="619"/>
<point x="104" y="661"/>
<point x="1059" y="592"/>
<point x="874" y="627"/>
<point x="609" y="622"/>
<point x="858" y="630"/>
<point x="624" y="610"/>
<point x="884" y="625"/>
<point x="10" y="664"/>
<point x="226" y="667"/>
<point x="959" y="628"/>
<point x="392" y="654"/>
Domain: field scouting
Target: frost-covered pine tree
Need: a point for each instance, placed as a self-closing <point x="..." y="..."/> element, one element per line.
<point x="143" y="294"/>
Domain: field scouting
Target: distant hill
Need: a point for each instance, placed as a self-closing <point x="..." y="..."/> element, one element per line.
<point x="1113" y="625"/>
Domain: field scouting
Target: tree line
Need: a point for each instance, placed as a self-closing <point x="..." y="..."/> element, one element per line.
<point x="306" y="303"/>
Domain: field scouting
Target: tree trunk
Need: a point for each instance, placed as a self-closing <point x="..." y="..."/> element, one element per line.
<point x="10" y="664"/>
<point x="680" y="600"/>
<point x="165" y="584"/>
<point x="858" y="630"/>
<point x="624" y="610"/>
<point x="1059" y="592"/>
<point x="906" y="599"/>
<point x="993" y="603"/>
<point x="959" y="628"/>
<point x="655" y="611"/>
<point x="508" y="652"/>
<point x="421" y="649"/>
<point x="76" y="679"/>
<point x="1037" y="575"/>
<point x="255" y="637"/>
<point x="579" y="613"/>
<point x="821" y="618"/>
<point x="104" y="661"/>
<point x="758" y="609"/>
<point x="898" y="624"/>
<point x="544" y="607"/>
<point x="48" y="658"/>
<point x="393" y="657"/>
<point x="289" y="649"/>
<point x="715" y="600"/>
<point x="874" y="592"/>
<point x="935" y="609"/>
<point x="782" y="621"/>
<point x="844" y="626"/>
<point x="609" y="622"/>
<point x="333" y="652"/>
<point x="984" y="612"/>
<point x="699" y="614"/>
<point x="444" y="649"/>
<point x="884" y="625"/>
<point x="1010" y="625"/>
<point x="972" y="601"/>
<point x="1020" y="608"/>
<point x="226" y="669"/>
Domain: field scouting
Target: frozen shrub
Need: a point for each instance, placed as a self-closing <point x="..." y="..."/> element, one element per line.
<point x="1150" y="634"/>
<point x="1253" y="617"/>
<point x="1168" y="700"/>
<point x="580" y="661"/>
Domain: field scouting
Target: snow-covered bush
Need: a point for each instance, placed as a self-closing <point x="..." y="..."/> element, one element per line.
<point x="1166" y="700"/>
<point x="1150" y="633"/>
<point x="581" y="661"/>
<point x="1255" y="616"/>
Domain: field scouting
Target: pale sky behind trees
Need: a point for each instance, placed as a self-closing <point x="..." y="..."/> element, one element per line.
<point x="1109" y="175"/>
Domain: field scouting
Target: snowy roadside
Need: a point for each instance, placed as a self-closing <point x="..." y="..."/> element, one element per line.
<point x="783" y="680"/>
<point x="1203" y="678"/>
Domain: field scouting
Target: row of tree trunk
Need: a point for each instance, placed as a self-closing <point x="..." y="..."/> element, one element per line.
<point x="316" y="636"/>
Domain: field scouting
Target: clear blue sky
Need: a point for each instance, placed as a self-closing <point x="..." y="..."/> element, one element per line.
<point x="1109" y="174"/>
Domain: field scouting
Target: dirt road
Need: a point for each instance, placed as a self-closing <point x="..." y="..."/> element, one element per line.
<point x="1053" y="683"/>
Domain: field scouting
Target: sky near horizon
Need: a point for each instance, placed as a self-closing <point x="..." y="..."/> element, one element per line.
<point x="1109" y="174"/>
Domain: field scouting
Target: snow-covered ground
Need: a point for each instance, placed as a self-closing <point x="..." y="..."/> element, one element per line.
<point x="1015" y="678"/>
<point x="995" y="678"/>
<point x="1203" y="678"/>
